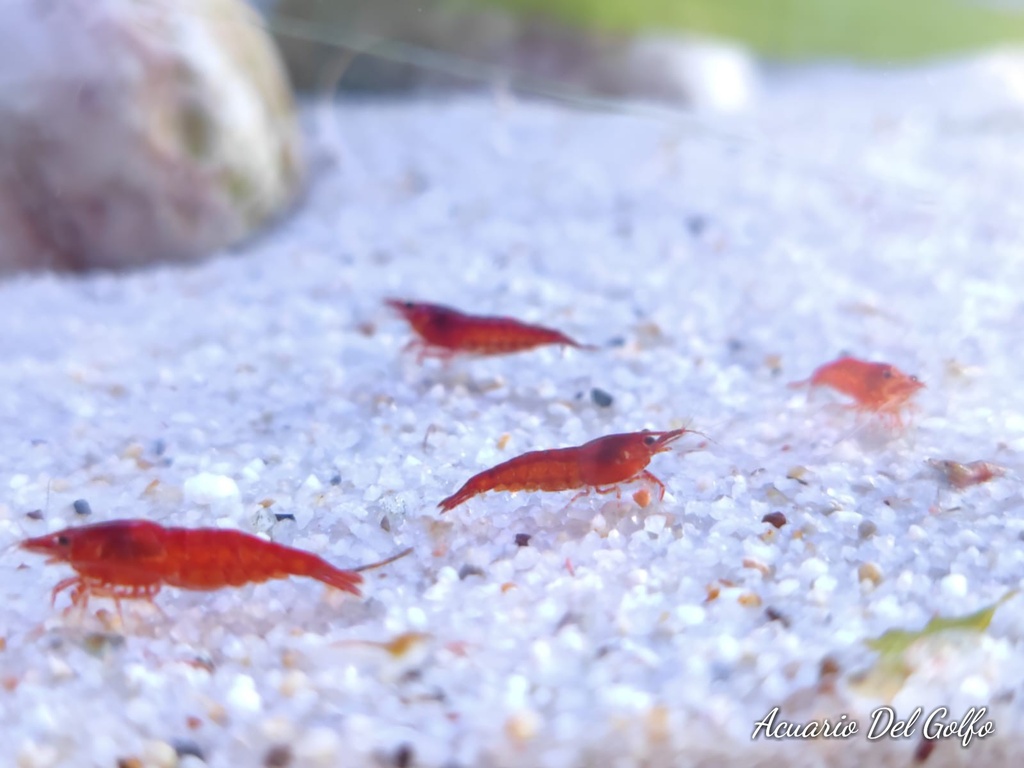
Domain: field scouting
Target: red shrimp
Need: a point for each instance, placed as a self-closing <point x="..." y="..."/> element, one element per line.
<point x="600" y="465"/>
<point x="877" y="387"/>
<point x="134" y="559"/>
<point x="444" y="332"/>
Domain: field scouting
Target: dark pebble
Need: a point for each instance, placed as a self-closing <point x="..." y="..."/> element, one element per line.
<point x="523" y="539"/>
<point x="866" y="529"/>
<point x="924" y="748"/>
<point x="774" y="615"/>
<point x="470" y="570"/>
<point x="775" y="518"/>
<point x="284" y="516"/>
<point x="82" y="507"/>
<point x="601" y="398"/>
<point x="696" y="224"/>
<point x="829" y="667"/>
<point x="279" y="756"/>
<point x="336" y="480"/>
<point x="184" y="748"/>
<point x="403" y="756"/>
<point x="385" y="524"/>
<point x="37" y="514"/>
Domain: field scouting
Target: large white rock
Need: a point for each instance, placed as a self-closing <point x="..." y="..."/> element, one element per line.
<point x="134" y="131"/>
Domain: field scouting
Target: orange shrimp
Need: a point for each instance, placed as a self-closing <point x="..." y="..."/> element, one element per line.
<point x="877" y="387"/>
<point x="444" y="332"/>
<point x="134" y="559"/>
<point x="600" y="465"/>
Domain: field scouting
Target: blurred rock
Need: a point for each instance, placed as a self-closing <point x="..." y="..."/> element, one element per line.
<point x="395" y="47"/>
<point x="135" y="132"/>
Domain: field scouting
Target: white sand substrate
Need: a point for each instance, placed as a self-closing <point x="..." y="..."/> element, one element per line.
<point x="714" y="260"/>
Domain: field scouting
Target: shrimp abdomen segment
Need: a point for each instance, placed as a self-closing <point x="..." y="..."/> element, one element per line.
<point x="495" y="336"/>
<point x="207" y="559"/>
<point x="552" y="470"/>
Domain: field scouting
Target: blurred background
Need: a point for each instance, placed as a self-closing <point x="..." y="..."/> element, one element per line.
<point x="871" y="31"/>
<point x="133" y="133"/>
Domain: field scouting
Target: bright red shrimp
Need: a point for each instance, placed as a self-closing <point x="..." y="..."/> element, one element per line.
<point x="444" y="332"/>
<point x="600" y="465"/>
<point x="877" y="387"/>
<point x="134" y="559"/>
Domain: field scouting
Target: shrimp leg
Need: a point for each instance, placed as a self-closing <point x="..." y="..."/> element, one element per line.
<point x="645" y="475"/>
<point x="70" y="581"/>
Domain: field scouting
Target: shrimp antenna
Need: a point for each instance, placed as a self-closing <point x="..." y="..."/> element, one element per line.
<point x="686" y="426"/>
<point x="381" y="563"/>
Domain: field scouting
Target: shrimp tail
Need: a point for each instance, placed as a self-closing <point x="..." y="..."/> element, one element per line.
<point x="279" y="560"/>
<point x="301" y="563"/>
<point x="464" y="494"/>
<point x="476" y="485"/>
<point x="346" y="581"/>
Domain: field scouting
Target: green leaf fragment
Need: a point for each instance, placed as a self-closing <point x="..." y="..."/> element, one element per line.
<point x="891" y="670"/>
<point x="896" y="641"/>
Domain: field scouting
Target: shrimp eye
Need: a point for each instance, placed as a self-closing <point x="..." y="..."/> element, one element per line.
<point x="409" y="305"/>
<point x="63" y="541"/>
<point x="914" y="379"/>
<point x="650" y="440"/>
<point x="886" y="373"/>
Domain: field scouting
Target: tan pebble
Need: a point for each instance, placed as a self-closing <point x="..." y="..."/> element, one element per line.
<point x="797" y="473"/>
<point x="870" y="572"/>
<point x="293" y="681"/>
<point x="749" y="599"/>
<point x="770" y="535"/>
<point x="658" y="725"/>
<point x="522" y="726"/>
<point x="642" y="497"/>
<point x="405" y="642"/>
<point x="757" y="565"/>
<point x="133" y="451"/>
<point x="217" y="713"/>
<point x="503" y="441"/>
<point x="507" y="586"/>
<point x="159" y="754"/>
